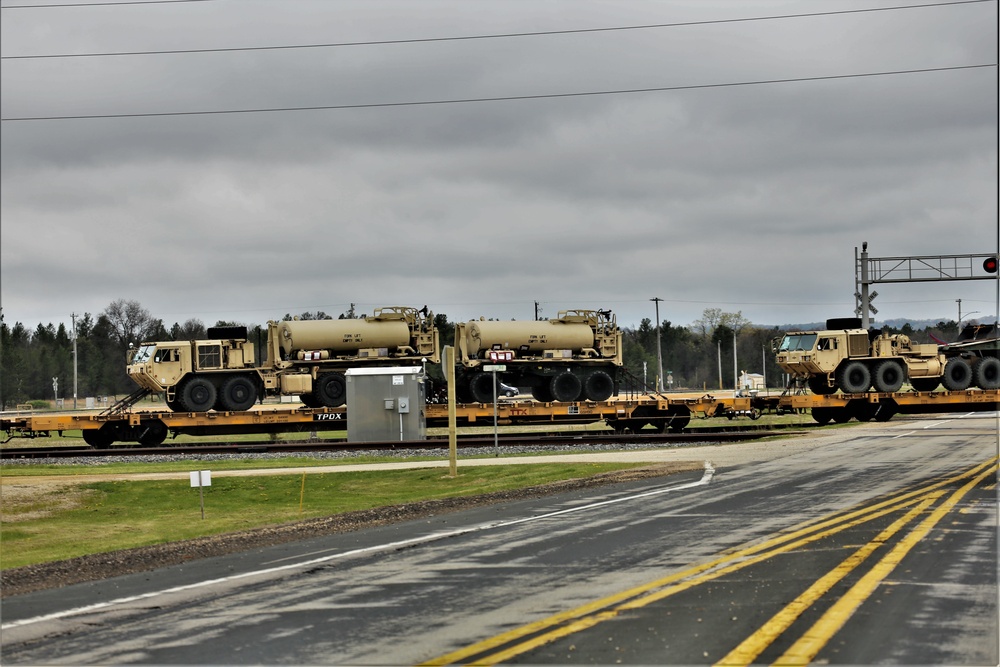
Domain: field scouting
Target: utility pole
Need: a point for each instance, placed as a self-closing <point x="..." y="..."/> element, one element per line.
<point x="1" y="359"/>
<point x="73" y="316"/>
<point x="659" y="352"/>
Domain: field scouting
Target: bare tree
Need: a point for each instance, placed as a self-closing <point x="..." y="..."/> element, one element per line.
<point x="130" y="322"/>
<point x="712" y="318"/>
<point x="192" y="329"/>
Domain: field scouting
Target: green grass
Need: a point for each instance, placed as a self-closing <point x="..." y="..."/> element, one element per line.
<point x="64" y="521"/>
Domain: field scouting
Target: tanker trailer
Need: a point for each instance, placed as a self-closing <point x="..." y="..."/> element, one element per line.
<point x="307" y="358"/>
<point x="325" y="349"/>
<point x="577" y="356"/>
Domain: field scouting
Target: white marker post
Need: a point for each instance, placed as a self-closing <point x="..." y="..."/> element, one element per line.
<point x="201" y="479"/>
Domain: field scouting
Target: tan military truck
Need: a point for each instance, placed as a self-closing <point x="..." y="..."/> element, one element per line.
<point x="576" y="356"/>
<point x="307" y="358"/>
<point x="854" y="360"/>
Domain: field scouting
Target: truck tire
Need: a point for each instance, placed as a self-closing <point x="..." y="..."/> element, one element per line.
<point x="565" y="387"/>
<point x="541" y="393"/>
<point x="819" y="385"/>
<point x="237" y="394"/>
<point x="330" y="390"/>
<point x="888" y="376"/>
<point x="481" y="387"/>
<point x="986" y="373"/>
<point x="925" y="384"/>
<point x="598" y="386"/>
<point x="197" y="395"/>
<point x="957" y="374"/>
<point x="854" y="378"/>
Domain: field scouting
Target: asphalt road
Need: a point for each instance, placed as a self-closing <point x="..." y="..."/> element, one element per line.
<point x="873" y="544"/>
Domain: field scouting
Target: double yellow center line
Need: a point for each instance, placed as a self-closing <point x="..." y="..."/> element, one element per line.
<point x="915" y="501"/>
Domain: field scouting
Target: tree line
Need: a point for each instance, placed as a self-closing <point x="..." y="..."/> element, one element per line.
<point x="37" y="364"/>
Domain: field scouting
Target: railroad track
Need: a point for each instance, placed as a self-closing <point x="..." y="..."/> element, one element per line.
<point x="465" y="442"/>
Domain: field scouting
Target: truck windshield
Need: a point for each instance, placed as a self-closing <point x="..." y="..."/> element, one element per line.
<point x="797" y="343"/>
<point x="143" y="354"/>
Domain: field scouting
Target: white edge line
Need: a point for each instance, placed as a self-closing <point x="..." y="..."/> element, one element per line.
<point x="433" y="537"/>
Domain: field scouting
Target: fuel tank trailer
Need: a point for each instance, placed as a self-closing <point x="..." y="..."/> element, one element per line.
<point x="576" y="356"/>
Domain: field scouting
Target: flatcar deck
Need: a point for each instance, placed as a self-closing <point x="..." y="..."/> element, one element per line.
<point x="673" y="411"/>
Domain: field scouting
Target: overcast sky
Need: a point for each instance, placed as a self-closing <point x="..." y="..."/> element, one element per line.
<point x="470" y="175"/>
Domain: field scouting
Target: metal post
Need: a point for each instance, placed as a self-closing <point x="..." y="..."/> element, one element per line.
<point x="865" y="319"/>
<point x="659" y="352"/>
<point x="763" y="365"/>
<point x="449" y="374"/>
<point x="73" y="316"/>
<point x="496" y="442"/>
<point x="736" y="373"/>
<point x="719" y="345"/>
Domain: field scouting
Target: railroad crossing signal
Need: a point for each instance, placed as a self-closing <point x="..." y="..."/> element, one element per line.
<point x="871" y="309"/>
<point x="990" y="264"/>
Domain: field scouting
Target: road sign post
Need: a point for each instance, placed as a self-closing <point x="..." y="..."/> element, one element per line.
<point x="201" y="479"/>
<point x="493" y="368"/>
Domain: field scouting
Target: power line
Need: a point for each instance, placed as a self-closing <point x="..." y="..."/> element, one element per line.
<point x="425" y="40"/>
<point x="101" y="4"/>
<point x="509" y="98"/>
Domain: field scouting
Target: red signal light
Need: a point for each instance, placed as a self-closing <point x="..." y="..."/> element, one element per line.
<point x="990" y="265"/>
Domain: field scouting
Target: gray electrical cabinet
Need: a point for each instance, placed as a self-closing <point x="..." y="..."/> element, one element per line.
<point x="385" y="404"/>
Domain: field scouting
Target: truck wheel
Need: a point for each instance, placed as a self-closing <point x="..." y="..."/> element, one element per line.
<point x="819" y="385"/>
<point x="238" y="394"/>
<point x="330" y="390"/>
<point x="888" y="376"/>
<point x="957" y="375"/>
<point x="925" y="384"/>
<point x="309" y="401"/>
<point x="987" y="373"/>
<point x="541" y="393"/>
<point x="854" y="378"/>
<point x="481" y="388"/>
<point x="598" y="387"/>
<point x="197" y="395"/>
<point x="565" y="387"/>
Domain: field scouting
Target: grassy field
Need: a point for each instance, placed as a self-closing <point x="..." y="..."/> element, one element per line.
<point x="54" y="521"/>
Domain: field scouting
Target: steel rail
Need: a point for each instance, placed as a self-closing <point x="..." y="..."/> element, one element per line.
<point x="469" y="442"/>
